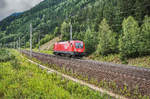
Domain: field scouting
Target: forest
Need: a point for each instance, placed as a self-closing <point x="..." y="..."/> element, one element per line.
<point x="106" y="26"/>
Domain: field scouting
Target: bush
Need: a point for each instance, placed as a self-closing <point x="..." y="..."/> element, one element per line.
<point x="15" y="63"/>
<point x="107" y="39"/>
<point x="27" y="45"/>
<point x="57" y="31"/>
<point x="5" y="55"/>
<point x="45" y="40"/>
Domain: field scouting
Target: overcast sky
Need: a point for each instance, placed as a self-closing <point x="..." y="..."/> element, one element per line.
<point x="7" y="7"/>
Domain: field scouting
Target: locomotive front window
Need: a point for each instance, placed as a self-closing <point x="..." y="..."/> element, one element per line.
<point x="79" y="45"/>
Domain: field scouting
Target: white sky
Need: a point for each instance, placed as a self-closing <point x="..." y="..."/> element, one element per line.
<point x="7" y="7"/>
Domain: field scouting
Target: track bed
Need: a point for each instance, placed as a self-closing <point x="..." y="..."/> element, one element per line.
<point x="130" y="76"/>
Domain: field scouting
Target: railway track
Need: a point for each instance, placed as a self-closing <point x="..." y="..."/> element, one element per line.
<point x="130" y="76"/>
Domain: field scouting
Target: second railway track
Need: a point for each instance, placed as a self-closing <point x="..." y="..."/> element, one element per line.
<point x="130" y="76"/>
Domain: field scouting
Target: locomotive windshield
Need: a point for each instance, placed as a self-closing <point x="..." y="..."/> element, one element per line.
<point x="79" y="45"/>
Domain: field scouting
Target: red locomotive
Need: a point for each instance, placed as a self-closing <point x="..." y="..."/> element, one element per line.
<point x="69" y="48"/>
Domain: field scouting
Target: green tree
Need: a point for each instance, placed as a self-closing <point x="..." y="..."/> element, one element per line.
<point x="50" y="14"/>
<point x="145" y="32"/>
<point x="107" y="39"/>
<point x="65" y="33"/>
<point x="129" y="43"/>
<point x="57" y="31"/>
<point x="89" y="40"/>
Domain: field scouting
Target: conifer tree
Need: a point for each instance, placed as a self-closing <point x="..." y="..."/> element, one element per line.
<point x="107" y="39"/>
<point x="130" y="40"/>
<point x="89" y="41"/>
<point x="65" y="33"/>
<point x="145" y="32"/>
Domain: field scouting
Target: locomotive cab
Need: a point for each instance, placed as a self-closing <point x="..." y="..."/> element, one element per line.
<point x="79" y="48"/>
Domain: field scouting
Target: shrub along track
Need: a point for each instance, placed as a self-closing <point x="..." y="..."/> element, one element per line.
<point x="129" y="76"/>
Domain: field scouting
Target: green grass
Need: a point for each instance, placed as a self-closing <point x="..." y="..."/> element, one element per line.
<point x="111" y="86"/>
<point x="5" y="55"/>
<point x="42" y="51"/>
<point x="46" y="51"/>
<point x="20" y="79"/>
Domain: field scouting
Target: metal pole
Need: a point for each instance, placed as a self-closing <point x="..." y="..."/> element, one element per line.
<point x="70" y="32"/>
<point x="31" y="40"/>
<point x="11" y="45"/>
<point x="14" y="45"/>
<point x="39" y="42"/>
<point x="19" y="44"/>
<point x="24" y="44"/>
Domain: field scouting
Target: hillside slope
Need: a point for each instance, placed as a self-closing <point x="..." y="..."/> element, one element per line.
<point x="105" y="26"/>
<point x="49" y="45"/>
<point x="50" y="14"/>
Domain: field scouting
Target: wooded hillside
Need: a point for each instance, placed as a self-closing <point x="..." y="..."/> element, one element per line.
<point x="106" y="26"/>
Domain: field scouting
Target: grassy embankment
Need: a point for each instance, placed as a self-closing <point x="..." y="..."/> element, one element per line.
<point x="41" y="51"/>
<point x="21" y="79"/>
<point x="110" y="86"/>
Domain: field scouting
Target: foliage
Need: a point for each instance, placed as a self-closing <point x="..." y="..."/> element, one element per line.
<point x="28" y="81"/>
<point x="145" y="32"/>
<point x="129" y="43"/>
<point x="52" y="17"/>
<point x="46" y="39"/>
<point x="50" y="14"/>
<point x="5" y="55"/>
<point x="90" y="40"/>
<point x="57" y="31"/>
<point x="27" y="45"/>
<point x="65" y="33"/>
<point x="107" y="39"/>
